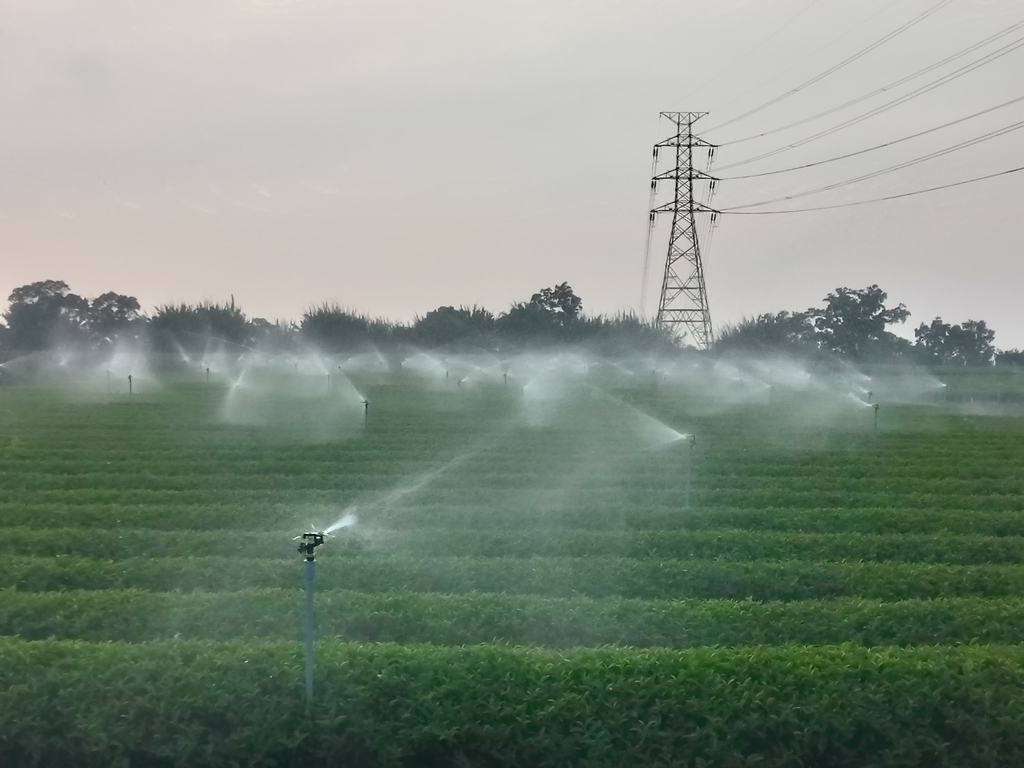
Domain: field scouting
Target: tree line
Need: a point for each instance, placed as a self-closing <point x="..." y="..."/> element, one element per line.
<point x="853" y="324"/>
<point x="47" y="314"/>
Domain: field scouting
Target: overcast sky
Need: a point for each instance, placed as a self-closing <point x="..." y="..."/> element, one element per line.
<point x="395" y="156"/>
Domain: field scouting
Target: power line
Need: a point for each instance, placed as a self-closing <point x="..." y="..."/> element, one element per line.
<point x="954" y="75"/>
<point x="893" y="168"/>
<point x="882" y="9"/>
<point x="845" y="62"/>
<point x="774" y="34"/>
<point x="733" y="212"/>
<point x="877" y="146"/>
<point x="883" y="89"/>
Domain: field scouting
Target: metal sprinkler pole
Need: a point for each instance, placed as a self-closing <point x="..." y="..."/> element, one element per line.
<point x="875" y="406"/>
<point x="366" y="413"/>
<point x="129" y="386"/>
<point x="310" y="541"/>
<point x="692" y="440"/>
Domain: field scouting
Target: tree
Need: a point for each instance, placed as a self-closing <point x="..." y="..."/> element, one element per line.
<point x="274" y="337"/>
<point x="333" y="329"/>
<point x="967" y="344"/>
<point x="448" y="325"/>
<point x="560" y="301"/>
<point x="194" y="326"/>
<point x="853" y="323"/>
<point x="1010" y="357"/>
<point x="45" y="313"/>
<point x="112" y="314"/>
<point x="783" y="331"/>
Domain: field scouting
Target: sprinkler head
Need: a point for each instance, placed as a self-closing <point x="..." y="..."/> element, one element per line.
<point x="309" y="542"/>
<point x="875" y="406"/>
<point x="692" y="440"/>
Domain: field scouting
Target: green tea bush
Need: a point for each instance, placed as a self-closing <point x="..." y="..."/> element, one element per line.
<point x="206" y="704"/>
<point x="411" y="617"/>
<point x="550" y="577"/>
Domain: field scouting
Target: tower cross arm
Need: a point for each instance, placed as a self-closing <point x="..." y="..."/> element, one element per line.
<point x="685" y="140"/>
<point x="694" y="174"/>
<point x="675" y="206"/>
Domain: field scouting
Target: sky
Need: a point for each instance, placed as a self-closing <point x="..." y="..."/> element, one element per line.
<point x="394" y="156"/>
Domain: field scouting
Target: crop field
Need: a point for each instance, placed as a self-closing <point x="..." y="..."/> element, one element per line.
<point x="592" y="569"/>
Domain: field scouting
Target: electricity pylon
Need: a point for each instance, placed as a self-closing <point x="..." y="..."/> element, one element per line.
<point x="683" y="305"/>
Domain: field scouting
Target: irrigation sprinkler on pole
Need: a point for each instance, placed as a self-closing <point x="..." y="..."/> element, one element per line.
<point x="366" y="413"/>
<point x="870" y="395"/>
<point x="505" y="377"/>
<point x="692" y="440"/>
<point x="307" y="546"/>
<point x="875" y="407"/>
<point x="129" y="386"/>
<point x="207" y="375"/>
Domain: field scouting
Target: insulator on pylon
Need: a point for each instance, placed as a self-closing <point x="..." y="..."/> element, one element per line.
<point x="654" y="183"/>
<point x="655" y="153"/>
<point x="651" y="216"/>
<point x="714" y="218"/>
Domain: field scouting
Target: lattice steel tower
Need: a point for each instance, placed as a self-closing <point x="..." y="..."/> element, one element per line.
<point x="683" y="305"/>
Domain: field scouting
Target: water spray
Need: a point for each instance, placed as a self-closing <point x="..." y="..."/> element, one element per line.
<point x="308" y="542"/>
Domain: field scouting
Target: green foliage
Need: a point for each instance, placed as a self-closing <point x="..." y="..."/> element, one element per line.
<point x="448" y="326"/>
<point x="190" y="703"/>
<point x="782" y="332"/>
<point x="43" y="314"/>
<point x="195" y="327"/>
<point x="403" y="616"/>
<point x="967" y="344"/>
<point x="1010" y="357"/>
<point x="331" y="328"/>
<point x="788" y="528"/>
<point x="551" y="577"/>
<point x="853" y="323"/>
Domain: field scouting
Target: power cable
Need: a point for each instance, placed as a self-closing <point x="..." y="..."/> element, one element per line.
<point x="882" y="9"/>
<point x="883" y="89"/>
<point x="877" y="146"/>
<point x="845" y="62"/>
<point x="954" y="75"/>
<point x="774" y="34"/>
<point x="733" y="212"/>
<point x="892" y="169"/>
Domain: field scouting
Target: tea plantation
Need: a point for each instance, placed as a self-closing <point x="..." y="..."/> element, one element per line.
<point x="555" y="579"/>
